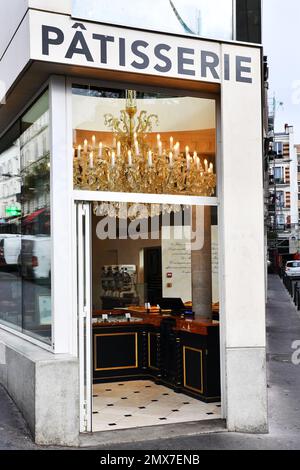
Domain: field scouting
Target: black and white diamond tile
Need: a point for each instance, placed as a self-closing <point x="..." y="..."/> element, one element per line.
<point x="133" y="404"/>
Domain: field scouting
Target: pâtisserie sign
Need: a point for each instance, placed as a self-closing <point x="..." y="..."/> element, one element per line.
<point x="59" y="39"/>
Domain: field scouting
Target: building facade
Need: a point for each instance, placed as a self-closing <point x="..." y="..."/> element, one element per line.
<point x="283" y="194"/>
<point x="102" y="118"/>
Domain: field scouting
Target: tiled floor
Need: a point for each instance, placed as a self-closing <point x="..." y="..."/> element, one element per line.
<point x="125" y="405"/>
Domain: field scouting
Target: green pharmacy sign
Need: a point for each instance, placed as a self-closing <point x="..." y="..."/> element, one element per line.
<point x="13" y="211"/>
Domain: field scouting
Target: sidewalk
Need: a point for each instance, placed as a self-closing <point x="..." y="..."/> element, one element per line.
<point x="283" y="328"/>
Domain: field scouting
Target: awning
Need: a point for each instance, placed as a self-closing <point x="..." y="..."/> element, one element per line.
<point x="31" y="217"/>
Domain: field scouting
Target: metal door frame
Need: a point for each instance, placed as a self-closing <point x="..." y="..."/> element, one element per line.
<point x="84" y="246"/>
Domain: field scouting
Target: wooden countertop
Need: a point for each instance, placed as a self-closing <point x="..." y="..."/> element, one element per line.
<point x="199" y="327"/>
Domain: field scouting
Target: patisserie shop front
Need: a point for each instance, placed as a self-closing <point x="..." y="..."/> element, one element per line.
<point x="138" y="225"/>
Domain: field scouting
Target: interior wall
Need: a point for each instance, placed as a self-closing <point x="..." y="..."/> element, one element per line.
<point x="128" y="252"/>
<point x="108" y="252"/>
<point x="174" y="114"/>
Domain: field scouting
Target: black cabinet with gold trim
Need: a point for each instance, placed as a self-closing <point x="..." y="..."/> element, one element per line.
<point x="201" y="364"/>
<point x="119" y="352"/>
<point x="187" y="362"/>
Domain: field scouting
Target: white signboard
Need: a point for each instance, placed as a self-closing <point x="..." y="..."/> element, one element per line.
<point x="59" y="39"/>
<point x="197" y="17"/>
<point x="176" y="263"/>
<point x="215" y="263"/>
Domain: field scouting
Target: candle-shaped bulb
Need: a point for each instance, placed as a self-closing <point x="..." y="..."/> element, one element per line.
<point x="187" y="151"/>
<point x="177" y="149"/>
<point x="195" y="157"/>
<point x="206" y="165"/>
<point x="118" y="149"/>
<point x="113" y="158"/>
<point x="171" y="143"/>
<point x="100" y="150"/>
<point x="94" y="141"/>
<point x="136" y="147"/>
<point x="160" y="148"/>
<point x="188" y="162"/>
<point x="171" y="159"/>
<point x="85" y="145"/>
<point x="91" y="159"/>
<point x="158" y="137"/>
<point x="79" y="152"/>
<point x="211" y="167"/>
<point x="129" y="158"/>
<point x="198" y="163"/>
<point x="150" y="161"/>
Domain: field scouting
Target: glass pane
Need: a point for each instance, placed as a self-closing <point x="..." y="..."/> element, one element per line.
<point x="155" y="256"/>
<point x="36" y="234"/>
<point x="197" y="17"/>
<point x="133" y="142"/>
<point x="10" y="237"/>
<point x="25" y="243"/>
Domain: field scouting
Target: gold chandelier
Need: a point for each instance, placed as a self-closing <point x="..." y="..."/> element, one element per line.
<point x="131" y="165"/>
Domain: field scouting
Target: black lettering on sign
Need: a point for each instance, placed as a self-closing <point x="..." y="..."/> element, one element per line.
<point x="51" y="36"/>
<point x="209" y="61"/>
<point x="158" y="53"/>
<point x="135" y="47"/>
<point x="103" y="45"/>
<point x="240" y="69"/>
<point x="79" y="46"/>
<point x="183" y="60"/>
<point x="226" y="67"/>
<point x="122" y="52"/>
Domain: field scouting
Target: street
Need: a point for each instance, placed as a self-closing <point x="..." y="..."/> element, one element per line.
<point x="283" y="328"/>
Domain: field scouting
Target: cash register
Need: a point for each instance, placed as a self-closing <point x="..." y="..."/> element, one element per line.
<point x="176" y="306"/>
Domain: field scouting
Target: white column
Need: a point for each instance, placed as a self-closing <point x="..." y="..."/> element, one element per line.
<point x="62" y="272"/>
<point x="242" y="235"/>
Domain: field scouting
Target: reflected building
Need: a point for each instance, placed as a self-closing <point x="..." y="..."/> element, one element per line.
<point x="10" y="184"/>
<point x="35" y="165"/>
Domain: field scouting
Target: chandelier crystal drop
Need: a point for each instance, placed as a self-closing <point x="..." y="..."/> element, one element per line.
<point x="132" y="165"/>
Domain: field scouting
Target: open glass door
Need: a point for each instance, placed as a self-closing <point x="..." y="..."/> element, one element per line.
<point x="84" y="313"/>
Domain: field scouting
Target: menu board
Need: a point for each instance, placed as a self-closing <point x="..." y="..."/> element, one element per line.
<point x="215" y="263"/>
<point x="176" y="264"/>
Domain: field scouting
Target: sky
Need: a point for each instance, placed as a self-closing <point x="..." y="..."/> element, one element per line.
<point x="281" y="39"/>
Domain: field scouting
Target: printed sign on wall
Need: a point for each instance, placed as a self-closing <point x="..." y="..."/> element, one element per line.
<point x="196" y="17"/>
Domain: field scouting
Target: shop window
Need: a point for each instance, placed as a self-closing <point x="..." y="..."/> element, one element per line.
<point x="136" y="142"/>
<point x="248" y="21"/>
<point x="25" y="237"/>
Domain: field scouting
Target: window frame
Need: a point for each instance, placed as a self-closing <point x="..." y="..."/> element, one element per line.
<point x="8" y="329"/>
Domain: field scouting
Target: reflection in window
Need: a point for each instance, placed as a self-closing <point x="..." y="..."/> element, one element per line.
<point x="25" y="236"/>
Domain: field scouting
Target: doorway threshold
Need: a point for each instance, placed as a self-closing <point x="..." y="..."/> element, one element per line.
<point x="150" y="433"/>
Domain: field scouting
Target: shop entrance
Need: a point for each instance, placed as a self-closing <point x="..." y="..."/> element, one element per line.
<point x="145" y="358"/>
<point x="145" y="163"/>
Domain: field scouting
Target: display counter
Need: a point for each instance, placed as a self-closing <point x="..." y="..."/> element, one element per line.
<point x="182" y="354"/>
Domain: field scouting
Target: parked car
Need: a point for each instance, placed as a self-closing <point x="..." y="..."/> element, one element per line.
<point x="10" y="247"/>
<point x="292" y="269"/>
<point x="35" y="257"/>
